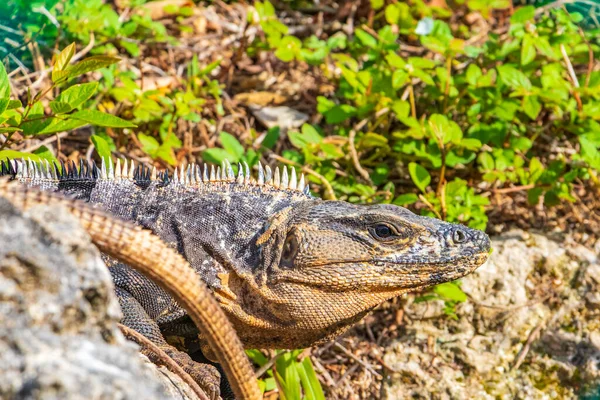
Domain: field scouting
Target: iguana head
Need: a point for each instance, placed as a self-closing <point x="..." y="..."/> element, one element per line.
<point x="324" y="264"/>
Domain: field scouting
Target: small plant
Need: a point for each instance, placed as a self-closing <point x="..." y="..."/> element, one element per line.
<point x="292" y="374"/>
<point x="65" y="112"/>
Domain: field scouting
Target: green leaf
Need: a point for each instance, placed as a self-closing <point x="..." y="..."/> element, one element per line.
<point x="61" y="61"/>
<point x="513" y="77"/>
<point x="102" y="147"/>
<point x="450" y="291"/>
<point x="487" y="161"/>
<point x="310" y="382"/>
<point x="528" y="51"/>
<point x="531" y="106"/>
<point x="365" y="38"/>
<point x="4" y="89"/>
<point x="419" y="175"/>
<point x="448" y="131"/>
<point x="91" y="64"/>
<point x="45" y="153"/>
<point x="73" y="97"/>
<point x="271" y="137"/>
<point x="232" y="146"/>
<point x="101" y="119"/>
<point x="522" y="15"/>
<point x="216" y="155"/>
<point x="405" y="199"/>
<point x="149" y="144"/>
<point x="12" y="154"/>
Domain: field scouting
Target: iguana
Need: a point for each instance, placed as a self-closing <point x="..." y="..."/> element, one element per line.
<point x="290" y="270"/>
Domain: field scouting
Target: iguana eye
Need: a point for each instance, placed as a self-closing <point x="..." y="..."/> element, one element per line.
<point x="290" y="249"/>
<point x="382" y="231"/>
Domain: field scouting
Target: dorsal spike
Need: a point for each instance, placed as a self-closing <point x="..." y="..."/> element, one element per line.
<point x="111" y="172"/>
<point x="73" y="174"/>
<point x="284" y="178"/>
<point x="212" y="174"/>
<point x="42" y="167"/>
<point x="246" y="173"/>
<point x="48" y="170"/>
<point x="23" y="173"/>
<point x="132" y="170"/>
<point x="219" y="176"/>
<point x="307" y="189"/>
<point x="197" y="174"/>
<point x="182" y="174"/>
<point x="103" y="172"/>
<point x="205" y="173"/>
<point x="93" y="170"/>
<point x="301" y="183"/>
<point x="175" y="176"/>
<point x="240" y="177"/>
<point x="293" y="179"/>
<point x="118" y="171"/>
<point x="81" y="173"/>
<point x="32" y="169"/>
<point x="153" y="173"/>
<point x="125" y="171"/>
<point x="189" y="174"/>
<point x="227" y="167"/>
<point x="277" y="178"/>
<point x="268" y="175"/>
<point x="261" y="174"/>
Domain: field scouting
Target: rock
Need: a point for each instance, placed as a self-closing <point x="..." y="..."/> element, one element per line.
<point x="58" y="314"/>
<point x="531" y="285"/>
<point x="284" y="117"/>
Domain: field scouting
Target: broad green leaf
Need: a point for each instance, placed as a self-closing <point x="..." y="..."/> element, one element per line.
<point x="365" y="38"/>
<point x="149" y="144"/>
<point x="73" y="97"/>
<point x="447" y="130"/>
<point x="91" y="64"/>
<point x="45" y="153"/>
<point x="513" y="77"/>
<point x="528" y="51"/>
<point x="216" y="155"/>
<point x="487" y="161"/>
<point x="373" y="140"/>
<point x="9" y="129"/>
<point x="522" y="15"/>
<point x="271" y="137"/>
<point x="450" y="291"/>
<point x="12" y="104"/>
<point x="473" y="74"/>
<point x="102" y="147"/>
<point x="419" y="175"/>
<point x="232" y="146"/>
<point x="101" y="119"/>
<point x="532" y="106"/>
<point x="61" y="61"/>
<point x="13" y="154"/>
<point x="405" y="199"/>
<point x="4" y="89"/>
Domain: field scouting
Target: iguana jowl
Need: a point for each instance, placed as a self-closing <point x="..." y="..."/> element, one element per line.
<point x="289" y="269"/>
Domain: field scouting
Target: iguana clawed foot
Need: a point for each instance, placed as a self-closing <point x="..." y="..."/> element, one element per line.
<point x="205" y="375"/>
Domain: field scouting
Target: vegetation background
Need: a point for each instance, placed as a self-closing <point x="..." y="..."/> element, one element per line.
<point x="481" y="112"/>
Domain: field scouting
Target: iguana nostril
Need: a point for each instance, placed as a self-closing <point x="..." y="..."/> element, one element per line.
<point x="459" y="236"/>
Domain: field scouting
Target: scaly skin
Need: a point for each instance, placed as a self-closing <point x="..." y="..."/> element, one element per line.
<point x="145" y="252"/>
<point x="290" y="270"/>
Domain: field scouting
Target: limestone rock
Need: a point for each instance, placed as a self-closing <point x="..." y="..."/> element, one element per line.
<point x="58" y="314"/>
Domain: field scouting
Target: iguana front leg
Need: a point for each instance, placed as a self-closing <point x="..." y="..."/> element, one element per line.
<point x="136" y="318"/>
